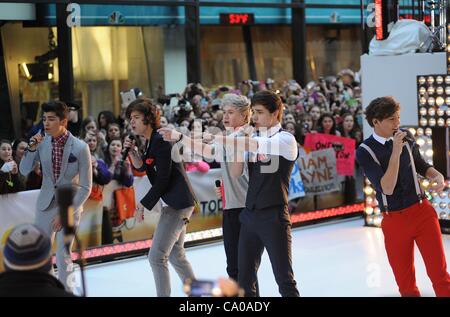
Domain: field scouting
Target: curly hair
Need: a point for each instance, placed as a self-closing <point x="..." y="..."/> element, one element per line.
<point x="152" y="115"/>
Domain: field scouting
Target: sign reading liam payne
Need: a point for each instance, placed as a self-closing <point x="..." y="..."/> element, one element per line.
<point x="318" y="172"/>
<point x="344" y="148"/>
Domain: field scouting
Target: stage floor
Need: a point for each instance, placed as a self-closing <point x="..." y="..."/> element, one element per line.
<point x="332" y="259"/>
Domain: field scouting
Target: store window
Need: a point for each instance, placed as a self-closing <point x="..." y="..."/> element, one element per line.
<point x="222" y="54"/>
<point x="272" y="47"/>
<point x="332" y="48"/>
<point x="108" y="60"/>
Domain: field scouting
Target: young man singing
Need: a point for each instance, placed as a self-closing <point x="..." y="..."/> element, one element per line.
<point x="391" y="160"/>
<point x="65" y="160"/>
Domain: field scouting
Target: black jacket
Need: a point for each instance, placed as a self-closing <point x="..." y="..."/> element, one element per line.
<point x="168" y="178"/>
<point x="31" y="284"/>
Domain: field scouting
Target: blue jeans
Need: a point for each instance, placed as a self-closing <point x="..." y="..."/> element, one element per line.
<point x="168" y="245"/>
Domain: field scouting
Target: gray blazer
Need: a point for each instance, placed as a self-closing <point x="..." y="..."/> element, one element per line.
<point x="76" y="169"/>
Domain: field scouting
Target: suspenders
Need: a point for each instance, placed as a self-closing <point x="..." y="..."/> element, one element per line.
<point x="413" y="168"/>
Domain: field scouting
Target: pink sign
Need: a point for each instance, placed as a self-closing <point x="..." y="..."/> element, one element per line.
<point x="344" y="148"/>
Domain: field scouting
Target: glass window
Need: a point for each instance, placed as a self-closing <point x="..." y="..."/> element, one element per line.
<point x="223" y="59"/>
<point x="272" y="47"/>
<point x="332" y="48"/>
<point x="108" y="60"/>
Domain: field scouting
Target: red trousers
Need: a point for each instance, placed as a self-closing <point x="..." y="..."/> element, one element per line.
<point x="417" y="223"/>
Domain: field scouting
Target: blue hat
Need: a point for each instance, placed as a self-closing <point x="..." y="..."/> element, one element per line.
<point x="27" y="248"/>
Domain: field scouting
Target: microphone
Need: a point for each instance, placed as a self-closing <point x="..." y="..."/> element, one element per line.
<point x="407" y="138"/>
<point x="33" y="141"/>
<point x="64" y="198"/>
<point x="218" y="185"/>
<point x="127" y="149"/>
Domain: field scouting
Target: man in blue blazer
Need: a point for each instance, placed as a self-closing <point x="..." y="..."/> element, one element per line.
<point x="170" y="184"/>
<point x="65" y="160"/>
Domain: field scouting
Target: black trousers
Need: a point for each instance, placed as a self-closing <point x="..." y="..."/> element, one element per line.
<point x="231" y="228"/>
<point x="270" y="229"/>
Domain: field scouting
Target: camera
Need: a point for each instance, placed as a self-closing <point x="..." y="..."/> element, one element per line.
<point x="197" y="288"/>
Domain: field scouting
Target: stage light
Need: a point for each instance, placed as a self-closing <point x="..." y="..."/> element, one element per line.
<point x="422" y="80"/>
<point x="377" y="221"/>
<point x="419" y="131"/>
<point x="443" y="215"/>
<point x="368" y="190"/>
<point x="430" y="90"/>
<point x="447" y="112"/>
<point x="447" y="80"/>
<point x="431" y="101"/>
<point x="440" y="91"/>
<point x="430" y="80"/>
<point x="423" y="101"/>
<point x="441" y="122"/>
<point x="412" y="131"/>
<point x="428" y="132"/>
<point x="368" y="210"/>
<point x="431" y="112"/>
<point x="439" y="80"/>
<point x="369" y="220"/>
<point x="429" y="153"/>
<point x="369" y="200"/>
<point x="376" y="211"/>
<point x="425" y="183"/>
<point x="448" y="122"/>
<point x="422" y="90"/>
<point x="423" y="122"/>
<point x="432" y="122"/>
<point x="440" y="101"/>
<point x="440" y="112"/>
<point x="443" y="195"/>
<point x="420" y="141"/>
<point x="423" y="111"/>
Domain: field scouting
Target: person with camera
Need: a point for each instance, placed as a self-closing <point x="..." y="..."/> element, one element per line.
<point x="10" y="180"/>
<point x="170" y="185"/>
<point x="65" y="160"/>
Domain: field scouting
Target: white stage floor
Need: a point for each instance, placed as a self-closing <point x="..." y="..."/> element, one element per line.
<point x="332" y="259"/>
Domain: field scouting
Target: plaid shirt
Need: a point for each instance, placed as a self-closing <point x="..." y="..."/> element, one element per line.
<point x="57" y="153"/>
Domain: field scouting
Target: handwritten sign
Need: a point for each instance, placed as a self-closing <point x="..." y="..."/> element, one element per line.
<point x="318" y="172"/>
<point x="344" y="148"/>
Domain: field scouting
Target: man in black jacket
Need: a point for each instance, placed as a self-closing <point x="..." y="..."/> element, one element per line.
<point x="171" y="185"/>
<point x="27" y="261"/>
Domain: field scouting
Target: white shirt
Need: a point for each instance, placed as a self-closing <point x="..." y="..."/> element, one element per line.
<point x="380" y="139"/>
<point x="275" y="142"/>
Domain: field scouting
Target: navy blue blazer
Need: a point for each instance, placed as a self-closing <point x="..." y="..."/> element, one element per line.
<point x="168" y="178"/>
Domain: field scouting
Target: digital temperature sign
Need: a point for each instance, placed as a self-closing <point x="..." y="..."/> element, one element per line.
<point x="237" y="18"/>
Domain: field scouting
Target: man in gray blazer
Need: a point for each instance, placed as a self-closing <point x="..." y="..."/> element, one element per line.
<point x="65" y="160"/>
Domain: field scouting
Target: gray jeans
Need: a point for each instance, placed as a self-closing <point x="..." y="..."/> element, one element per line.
<point x="64" y="263"/>
<point x="168" y="245"/>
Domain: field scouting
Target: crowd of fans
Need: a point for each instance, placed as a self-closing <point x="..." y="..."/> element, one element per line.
<point x="331" y="105"/>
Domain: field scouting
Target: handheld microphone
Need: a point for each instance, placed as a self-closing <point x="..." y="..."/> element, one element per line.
<point x="125" y="152"/>
<point x="33" y="141"/>
<point x="407" y="138"/>
<point x="64" y="198"/>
